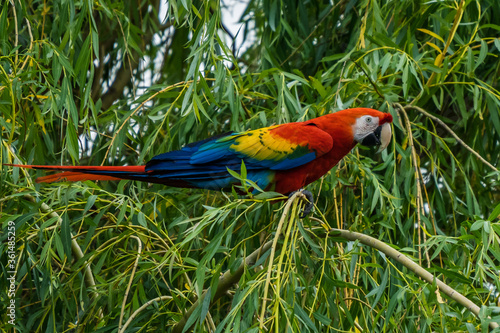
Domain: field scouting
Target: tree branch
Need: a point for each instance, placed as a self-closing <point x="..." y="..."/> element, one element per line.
<point x="225" y="282"/>
<point x="123" y="77"/>
<point x="229" y="279"/>
<point x="439" y="121"/>
<point x="145" y="305"/>
<point x="271" y="257"/>
<point x="124" y="303"/>
<point x="374" y="85"/>
<point x="124" y="73"/>
<point x="414" y="267"/>
<point x="75" y="247"/>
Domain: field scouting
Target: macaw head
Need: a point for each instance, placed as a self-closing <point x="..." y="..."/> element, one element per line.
<point x="372" y="128"/>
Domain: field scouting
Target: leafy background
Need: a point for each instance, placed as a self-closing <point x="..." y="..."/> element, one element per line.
<point x="117" y="82"/>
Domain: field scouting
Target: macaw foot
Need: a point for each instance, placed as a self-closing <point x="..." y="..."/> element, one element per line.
<point x="308" y="205"/>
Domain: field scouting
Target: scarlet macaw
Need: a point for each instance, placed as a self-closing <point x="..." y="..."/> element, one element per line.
<point x="282" y="158"/>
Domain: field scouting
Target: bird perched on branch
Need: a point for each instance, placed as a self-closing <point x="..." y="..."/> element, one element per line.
<point x="281" y="158"/>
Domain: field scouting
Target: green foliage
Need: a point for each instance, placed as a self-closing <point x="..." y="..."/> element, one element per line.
<point x="112" y="82"/>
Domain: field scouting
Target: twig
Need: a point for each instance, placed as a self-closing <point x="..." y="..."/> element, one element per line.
<point x="137" y="109"/>
<point x="338" y="90"/>
<point x="16" y="31"/>
<point x="414" y="267"/>
<point x="310" y="35"/>
<point x="30" y="48"/>
<point x="127" y="53"/>
<point x="124" y="73"/>
<point x="460" y="141"/>
<point x="145" y="305"/>
<point x="419" y="201"/>
<point x="225" y="282"/>
<point x="139" y="250"/>
<point x="451" y="35"/>
<point x="271" y="256"/>
<point x="75" y="247"/>
<point x="369" y="78"/>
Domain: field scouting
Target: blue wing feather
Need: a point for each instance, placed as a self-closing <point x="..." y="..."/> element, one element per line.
<point x="204" y="163"/>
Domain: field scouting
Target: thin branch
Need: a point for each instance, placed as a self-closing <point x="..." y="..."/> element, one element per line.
<point x="124" y="73"/>
<point x="451" y="35"/>
<point x="225" y="283"/>
<point x="16" y="31"/>
<point x="271" y="256"/>
<point x="145" y="305"/>
<point x="369" y="78"/>
<point x="338" y="91"/>
<point x="75" y="247"/>
<point x="411" y="265"/>
<point x="419" y="201"/>
<point x="139" y="250"/>
<point x="310" y="35"/>
<point x="137" y="109"/>
<point x="121" y="80"/>
<point x="460" y="141"/>
<point x="29" y="50"/>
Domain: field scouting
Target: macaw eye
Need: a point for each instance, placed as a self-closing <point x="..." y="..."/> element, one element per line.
<point x="368" y="119"/>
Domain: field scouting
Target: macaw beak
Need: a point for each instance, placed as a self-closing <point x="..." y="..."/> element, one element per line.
<point x="380" y="137"/>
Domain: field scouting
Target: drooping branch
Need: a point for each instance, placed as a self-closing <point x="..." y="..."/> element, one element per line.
<point x="411" y="265"/>
<point x="124" y="73"/>
<point x="446" y="127"/>
<point x="136" y="263"/>
<point x="75" y="247"/>
<point x="140" y="309"/>
<point x="122" y="78"/>
<point x="225" y="283"/>
<point x="297" y="194"/>
<point x="229" y="279"/>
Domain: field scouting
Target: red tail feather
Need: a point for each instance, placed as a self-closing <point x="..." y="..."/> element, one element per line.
<point x="77" y="173"/>
<point x="72" y="177"/>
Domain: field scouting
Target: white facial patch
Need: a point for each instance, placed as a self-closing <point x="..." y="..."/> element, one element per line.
<point x="364" y="126"/>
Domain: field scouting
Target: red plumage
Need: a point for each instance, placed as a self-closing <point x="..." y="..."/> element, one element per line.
<point x="340" y="130"/>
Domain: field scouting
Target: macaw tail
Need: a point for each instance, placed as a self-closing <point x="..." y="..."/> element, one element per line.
<point x="77" y="173"/>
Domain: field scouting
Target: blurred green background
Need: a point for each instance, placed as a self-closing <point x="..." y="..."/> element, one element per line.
<point x="117" y="82"/>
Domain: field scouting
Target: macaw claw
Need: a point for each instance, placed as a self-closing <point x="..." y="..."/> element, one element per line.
<point x="308" y="205"/>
